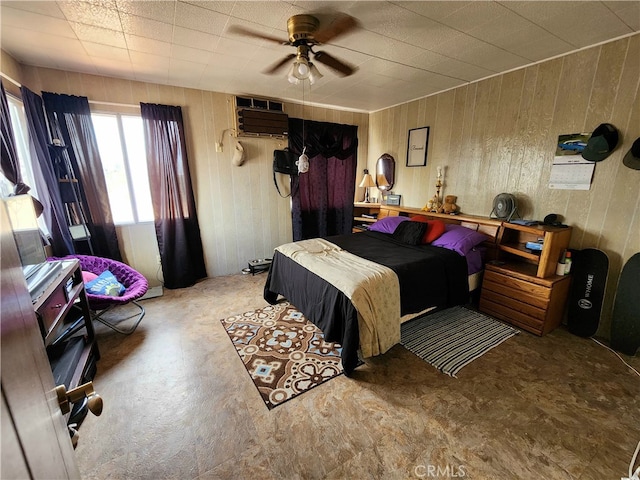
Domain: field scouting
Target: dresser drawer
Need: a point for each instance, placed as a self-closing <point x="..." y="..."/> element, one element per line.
<point x="515" y="304"/>
<point x="51" y="309"/>
<point x="529" y="292"/>
<point x="514" y="317"/>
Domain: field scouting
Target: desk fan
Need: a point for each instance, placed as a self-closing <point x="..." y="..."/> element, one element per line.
<point x="504" y="207"/>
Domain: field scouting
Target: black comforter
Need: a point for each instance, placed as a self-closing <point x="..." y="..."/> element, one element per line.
<point x="428" y="276"/>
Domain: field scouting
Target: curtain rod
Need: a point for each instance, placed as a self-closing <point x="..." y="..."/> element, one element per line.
<point x="96" y="102"/>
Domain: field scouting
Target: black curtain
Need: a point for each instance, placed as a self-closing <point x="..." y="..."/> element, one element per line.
<point x="323" y="203"/>
<point x="70" y="121"/>
<point x="47" y="183"/>
<point x="174" y="207"/>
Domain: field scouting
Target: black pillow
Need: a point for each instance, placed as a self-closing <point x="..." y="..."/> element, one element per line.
<point x="410" y="233"/>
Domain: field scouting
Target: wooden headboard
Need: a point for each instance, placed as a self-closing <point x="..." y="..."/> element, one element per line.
<point x="489" y="226"/>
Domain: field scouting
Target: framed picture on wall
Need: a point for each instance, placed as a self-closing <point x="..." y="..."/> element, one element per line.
<point x="417" y="147"/>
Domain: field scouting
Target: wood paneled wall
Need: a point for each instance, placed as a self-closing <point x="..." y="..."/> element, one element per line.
<point x="241" y="215"/>
<point x="499" y="135"/>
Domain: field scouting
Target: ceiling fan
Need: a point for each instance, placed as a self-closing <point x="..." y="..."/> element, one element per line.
<point x="305" y="33"/>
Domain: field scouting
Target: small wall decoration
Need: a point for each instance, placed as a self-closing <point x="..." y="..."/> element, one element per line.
<point x="569" y="170"/>
<point x="417" y="147"/>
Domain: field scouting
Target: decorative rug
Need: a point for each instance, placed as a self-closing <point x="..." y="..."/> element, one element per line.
<point x="283" y="352"/>
<point x="451" y="339"/>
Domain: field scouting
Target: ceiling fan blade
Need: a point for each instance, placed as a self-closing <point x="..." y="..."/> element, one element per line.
<point x="280" y="64"/>
<point x="339" y="26"/>
<point x="238" y="30"/>
<point x="335" y="64"/>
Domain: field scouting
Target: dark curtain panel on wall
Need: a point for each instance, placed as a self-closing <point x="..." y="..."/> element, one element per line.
<point x="174" y="206"/>
<point x="9" y="162"/>
<point x="9" y="159"/>
<point x="54" y="213"/>
<point x="70" y="120"/>
<point x="323" y="203"/>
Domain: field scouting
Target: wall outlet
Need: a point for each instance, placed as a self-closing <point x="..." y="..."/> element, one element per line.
<point x="158" y="260"/>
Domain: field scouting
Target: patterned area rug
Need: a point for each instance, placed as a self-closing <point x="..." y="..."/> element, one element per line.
<point x="451" y="339"/>
<point x="284" y="353"/>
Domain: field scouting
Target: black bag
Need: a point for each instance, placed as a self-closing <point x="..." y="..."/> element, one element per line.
<point x="284" y="161"/>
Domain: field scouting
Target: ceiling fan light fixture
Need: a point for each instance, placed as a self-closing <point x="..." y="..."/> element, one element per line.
<point x="292" y="77"/>
<point x="301" y="68"/>
<point x="314" y="74"/>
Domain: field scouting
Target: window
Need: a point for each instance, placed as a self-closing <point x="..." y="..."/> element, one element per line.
<point x="122" y="151"/>
<point x="21" y="138"/>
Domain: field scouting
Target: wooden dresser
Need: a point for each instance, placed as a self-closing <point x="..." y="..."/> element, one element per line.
<point x="521" y="286"/>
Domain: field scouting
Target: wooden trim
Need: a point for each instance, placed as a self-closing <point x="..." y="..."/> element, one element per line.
<point x="486" y="225"/>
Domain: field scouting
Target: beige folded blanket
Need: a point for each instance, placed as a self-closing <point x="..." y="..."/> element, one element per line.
<point x="373" y="289"/>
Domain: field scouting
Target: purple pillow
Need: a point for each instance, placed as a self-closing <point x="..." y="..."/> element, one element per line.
<point x="459" y="239"/>
<point x="387" y="224"/>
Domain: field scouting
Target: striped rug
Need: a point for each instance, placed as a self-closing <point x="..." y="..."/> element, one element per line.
<point x="451" y="339"/>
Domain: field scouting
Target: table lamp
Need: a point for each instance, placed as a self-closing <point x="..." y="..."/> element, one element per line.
<point x="366" y="183"/>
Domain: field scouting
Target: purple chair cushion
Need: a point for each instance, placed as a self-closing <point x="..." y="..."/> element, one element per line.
<point x="135" y="283"/>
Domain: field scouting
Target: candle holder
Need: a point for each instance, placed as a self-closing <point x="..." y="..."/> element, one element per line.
<point x="436" y="204"/>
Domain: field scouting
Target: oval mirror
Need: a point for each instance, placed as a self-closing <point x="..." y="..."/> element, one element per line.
<point x="385" y="172"/>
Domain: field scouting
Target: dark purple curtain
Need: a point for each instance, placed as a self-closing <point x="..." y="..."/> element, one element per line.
<point x="174" y="206"/>
<point x="47" y="183"/>
<point x="70" y="121"/>
<point x="323" y="203"/>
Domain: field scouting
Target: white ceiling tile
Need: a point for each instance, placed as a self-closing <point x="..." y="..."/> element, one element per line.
<point x="91" y="33"/>
<point x="99" y="50"/>
<point x="195" y="39"/>
<point x="240" y="48"/>
<point x="47" y="8"/>
<point x="435" y="10"/>
<point x="90" y="14"/>
<point x="162" y="11"/>
<point x="77" y="63"/>
<point x="460" y="70"/>
<point x="113" y="68"/>
<point x="474" y="14"/>
<point x="146" y="27"/>
<point x="148" y="45"/>
<point x="224" y="6"/>
<point x="34" y="21"/>
<point x="145" y="61"/>
<point x="270" y="14"/>
<point x="401" y="51"/>
<point x="226" y="61"/>
<point x="588" y="20"/>
<point x="627" y="12"/>
<point x="184" y="69"/>
<point x="197" y="18"/>
<point x="192" y="55"/>
<point x="389" y="20"/>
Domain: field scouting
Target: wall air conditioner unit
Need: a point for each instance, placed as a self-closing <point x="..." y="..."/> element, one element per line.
<point x="257" y="117"/>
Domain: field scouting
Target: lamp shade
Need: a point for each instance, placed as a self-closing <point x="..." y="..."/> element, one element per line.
<point x="382" y="180"/>
<point x="367" y="181"/>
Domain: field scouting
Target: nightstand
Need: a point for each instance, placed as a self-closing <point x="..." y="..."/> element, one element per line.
<point x="521" y="287"/>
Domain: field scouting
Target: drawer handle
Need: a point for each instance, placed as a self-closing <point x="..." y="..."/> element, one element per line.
<point x="58" y="305"/>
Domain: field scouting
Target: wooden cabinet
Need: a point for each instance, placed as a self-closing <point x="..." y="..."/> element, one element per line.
<point x="521" y="287"/>
<point x="61" y="306"/>
<point x="364" y="214"/>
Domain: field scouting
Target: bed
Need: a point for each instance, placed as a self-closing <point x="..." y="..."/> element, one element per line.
<point x="392" y="281"/>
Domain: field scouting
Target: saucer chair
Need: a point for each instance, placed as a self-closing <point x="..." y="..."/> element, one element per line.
<point x="135" y="284"/>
